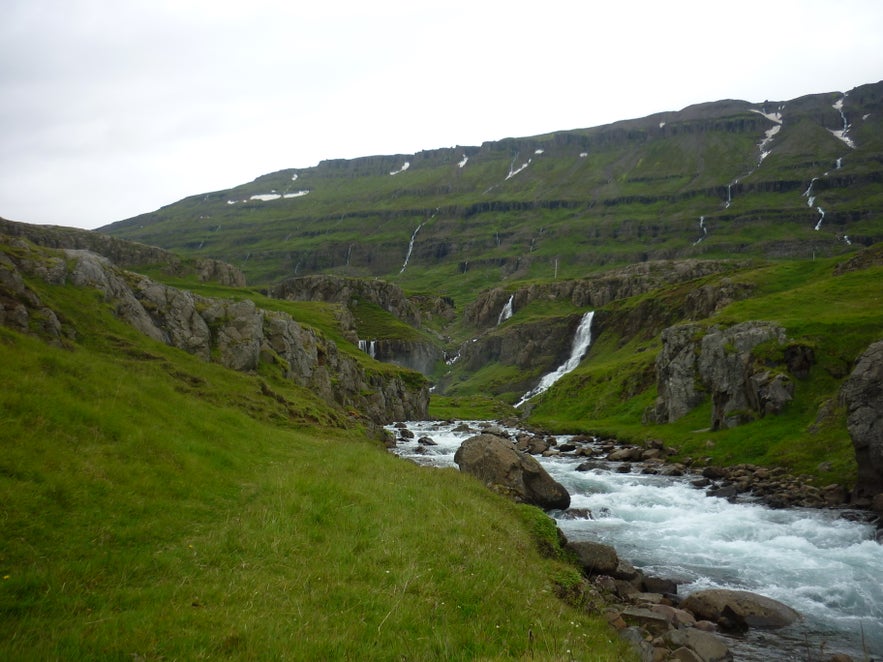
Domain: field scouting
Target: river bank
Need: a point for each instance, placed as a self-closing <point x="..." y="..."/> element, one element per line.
<point x="821" y="561"/>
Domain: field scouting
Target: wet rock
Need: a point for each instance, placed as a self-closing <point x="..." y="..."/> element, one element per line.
<point x="708" y="647"/>
<point x="595" y="558"/>
<point x="739" y="609"/>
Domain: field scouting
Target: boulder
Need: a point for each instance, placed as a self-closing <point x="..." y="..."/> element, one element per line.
<point x="706" y="646"/>
<point x="738" y="610"/>
<point x="595" y="558"/>
<point x="495" y="462"/>
<point x="862" y="394"/>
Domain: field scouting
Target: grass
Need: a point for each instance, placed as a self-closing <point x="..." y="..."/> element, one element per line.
<point x="158" y="507"/>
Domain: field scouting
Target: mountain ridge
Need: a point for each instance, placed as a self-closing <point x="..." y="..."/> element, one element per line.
<point x="716" y="179"/>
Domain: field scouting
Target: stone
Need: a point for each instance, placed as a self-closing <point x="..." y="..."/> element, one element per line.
<point x="708" y="647"/>
<point x="595" y="558"/>
<point x="739" y="609"/>
<point x="501" y="467"/>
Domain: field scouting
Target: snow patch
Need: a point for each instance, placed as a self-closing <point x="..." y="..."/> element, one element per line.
<point x="841" y="133"/>
<point x="538" y="151"/>
<point x="294" y="177"/>
<point x="514" y="171"/>
<point x="772" y="117"/>
<point x="296" y="194"/>
<point x="265" y="197"/>
<point x="583" y="155"/>
<point x="661" y="124"/>
<point x="405" y="166"/>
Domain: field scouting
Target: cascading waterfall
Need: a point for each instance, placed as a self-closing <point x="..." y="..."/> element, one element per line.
<point x="704" y="231"/>
<point x="821" y="218"/>
<point x="369" y="347"/>
<point x="581" y="341"/>
<point x="410" y="249"/>
<point x="507" y="311"/>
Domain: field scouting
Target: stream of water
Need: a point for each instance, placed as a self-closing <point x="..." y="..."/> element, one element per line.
<point x="825" y="566"/>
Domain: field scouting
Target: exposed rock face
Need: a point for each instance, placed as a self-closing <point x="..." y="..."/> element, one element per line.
<point x="411" y="354"/>
<point x="337" y="289"/>
<point x="739" y="609"/>
<point x="236" y="334"/>
<point x="616" y="284"/>
<point x="128" y="254"/>
<point x="494" y="461"/>
<point x="695" y="363"/>
<point x="862" y="393"/>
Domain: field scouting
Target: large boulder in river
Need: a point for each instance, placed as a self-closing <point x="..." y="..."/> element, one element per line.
<point x="495" y="462"/>
<point x="738" y="610"/>
<point x="862" y="394"/>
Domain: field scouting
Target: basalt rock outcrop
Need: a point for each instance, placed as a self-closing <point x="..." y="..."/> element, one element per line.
<point x="127" y="254"/>
<point x="347" y="291"/>
<point x="236" y="334"/>
<point x="696" y="363"/>
<point x="613" y="285"/>
<point x="862" y="394"/>
<point x="495" y="461"/>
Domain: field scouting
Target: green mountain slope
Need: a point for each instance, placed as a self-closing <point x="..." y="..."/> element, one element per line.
<point x="718" y="179"/>
<point x="160" y="506"/>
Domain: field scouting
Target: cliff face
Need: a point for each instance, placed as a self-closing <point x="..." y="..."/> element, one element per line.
<point x="696" y="363"/>
<point x="600" y="290"/>
<point x="236" y="334"/>
<point x="127" y="254"/>
<point x="332" y="289"/>
<point x="862" y="394"/>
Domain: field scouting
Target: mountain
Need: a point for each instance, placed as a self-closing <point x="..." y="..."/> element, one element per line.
<point x="730" y="244"/>
<point x="775" y="179"/>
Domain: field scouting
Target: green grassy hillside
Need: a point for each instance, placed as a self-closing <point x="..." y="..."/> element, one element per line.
<point x="155" y="506"/>
<point x="713" y="180"/>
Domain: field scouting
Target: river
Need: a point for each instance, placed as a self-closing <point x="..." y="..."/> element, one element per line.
<point x="827" y="567"/>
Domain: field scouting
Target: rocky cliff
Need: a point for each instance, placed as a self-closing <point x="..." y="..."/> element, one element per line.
<point x="610" y="286"/>
<point x="697" y="363"/>
<point x="862" y="393"/>
<point x="236" y="334"/>
<point x="347" y="291"/>
<point x="127" y="254"/>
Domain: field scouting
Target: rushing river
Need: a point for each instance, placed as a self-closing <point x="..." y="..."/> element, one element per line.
<point x="826" y="567"/>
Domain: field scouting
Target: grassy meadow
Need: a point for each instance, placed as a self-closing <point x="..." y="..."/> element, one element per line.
<point x="153" y="506"/>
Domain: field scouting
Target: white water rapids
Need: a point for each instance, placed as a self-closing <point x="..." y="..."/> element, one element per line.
<point x="826" y="567"/>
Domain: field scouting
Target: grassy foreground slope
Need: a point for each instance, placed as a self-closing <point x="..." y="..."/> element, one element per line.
<point x="158" y="507"/>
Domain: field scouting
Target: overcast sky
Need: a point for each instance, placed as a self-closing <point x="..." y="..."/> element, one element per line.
<point x="112" y="108"/>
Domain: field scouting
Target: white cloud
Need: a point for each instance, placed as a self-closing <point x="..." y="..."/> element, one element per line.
<point x="116" y="108"/>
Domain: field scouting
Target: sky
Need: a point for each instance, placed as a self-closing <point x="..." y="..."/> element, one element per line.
<point x="113" y="108"/>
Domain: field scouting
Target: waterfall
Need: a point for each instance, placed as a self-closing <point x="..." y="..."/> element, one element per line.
<point x="810" y="198"/>
<point x="581" y="341"/>
<point x="410" y="248"/>
<point x="841" y="133"/>
<point x="507" y="311"/>
<point x="369" y="347"/>
<point x="704" y="231"/>
<point x="821" y="218"/>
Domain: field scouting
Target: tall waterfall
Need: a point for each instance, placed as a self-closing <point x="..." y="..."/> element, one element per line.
<point x="507" y="311"/>
<point x="369" y="347"/>
<point x="581" y="341"/>
<point x="410" y="248"/>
